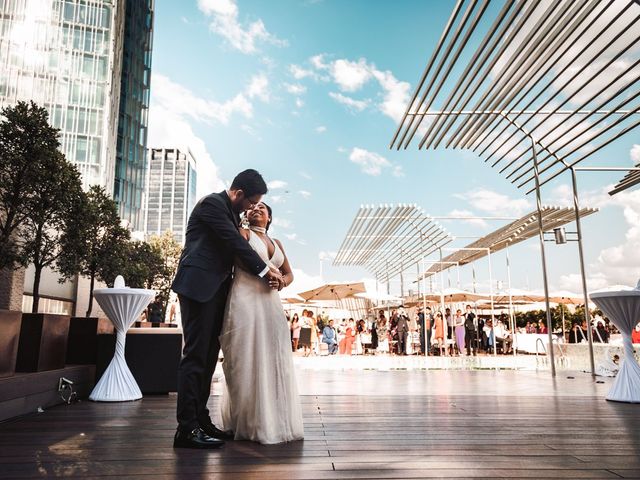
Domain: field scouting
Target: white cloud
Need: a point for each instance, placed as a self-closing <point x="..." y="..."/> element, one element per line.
<point x="495" y="203"/>
<point x="304" y="194"/>
<point x="276" y="184"/>
<point x="318" y="62"/>
<point x="251" y="131"/>
<point x="185" y="103"/>
<point x="282" y="223"/>
<point x="464" y="214"/>
<point x="321" y="129"/>
<point x="299" y="103"/>
<point x="295" y="88"/>
<point x="398" y="171"/>
<point x="259" y="87"/>
<point x="305" y="175"/>
<point x="299" y="73"/>
<point x="396" y="94"/>
<point x="291" y="236"/>
<point x="350" y="76"/>
<point x="224" y="22"/>
<point x="353" y="104"/>
<point x="327" y="255"/>
<point x="635" y="154"/>
<point x="302" y="282"/>
<point x="276" y="199"/>
<point x="372" y="163"/>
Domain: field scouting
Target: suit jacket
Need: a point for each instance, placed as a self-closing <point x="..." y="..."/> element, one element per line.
<point x="403" y="324"/>
<point x="212" y="244"/>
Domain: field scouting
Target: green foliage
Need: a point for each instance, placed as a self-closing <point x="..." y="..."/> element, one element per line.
<point x="58" y="195"/>
<point x="28" y="154"/>
<point x="170" y="252"/>
<point x="144" y="266"/>
<point x="95" y="246"/>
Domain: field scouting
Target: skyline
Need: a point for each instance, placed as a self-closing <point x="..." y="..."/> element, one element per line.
<point x="244" y="84"/>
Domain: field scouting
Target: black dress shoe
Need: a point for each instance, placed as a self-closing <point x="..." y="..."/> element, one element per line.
<point x="196" y="438"/>
<point x="213" y="431"/>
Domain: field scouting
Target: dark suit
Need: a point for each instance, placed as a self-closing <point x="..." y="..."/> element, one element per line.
<point x="202" y="283"/>
<point x="402" y="328"/>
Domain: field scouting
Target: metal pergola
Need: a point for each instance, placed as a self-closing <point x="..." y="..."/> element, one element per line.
<point x="534" y="88"/>
<point x="387" y="239"/>
<point x="631" y="179"/>
<point x="509" y="235"/>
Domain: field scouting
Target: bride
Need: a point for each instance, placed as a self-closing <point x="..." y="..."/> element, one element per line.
<point x="260" y="401"/>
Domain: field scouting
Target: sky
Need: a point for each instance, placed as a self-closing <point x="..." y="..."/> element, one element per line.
<point x="310" y="92"/>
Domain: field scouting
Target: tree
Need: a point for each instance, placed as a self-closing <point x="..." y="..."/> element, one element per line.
<point x="144" y="266"/>
<point x="170" y="252"/>
<point x="28" y="149"/>
<point x="58" y="196"/>
<point x="96" y="246"/>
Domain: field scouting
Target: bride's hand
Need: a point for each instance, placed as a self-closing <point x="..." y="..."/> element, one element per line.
<point x="274" y="278"/>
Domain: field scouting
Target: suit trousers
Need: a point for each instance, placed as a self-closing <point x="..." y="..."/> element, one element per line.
<point x="201" y="326"/>
<point x="402" y="342"/>
<point x="470" y="340"/>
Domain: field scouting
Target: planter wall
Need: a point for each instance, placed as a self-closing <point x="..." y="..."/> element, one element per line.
<point x="43" y="342"/>
<point x="82" y="345"/>
<point x="9" y="334"/>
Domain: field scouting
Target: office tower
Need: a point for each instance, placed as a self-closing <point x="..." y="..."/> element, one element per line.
<point x="171" y="191"/>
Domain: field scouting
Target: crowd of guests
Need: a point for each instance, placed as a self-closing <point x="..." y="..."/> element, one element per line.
<point x="425" y="333"/>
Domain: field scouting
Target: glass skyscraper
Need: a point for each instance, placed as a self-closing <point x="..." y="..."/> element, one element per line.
<point x="131" y="150"/>
<point x="88" y="63"/>
<point x="171" y="191"/>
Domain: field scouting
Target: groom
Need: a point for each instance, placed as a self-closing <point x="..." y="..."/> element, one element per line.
<point x="202" y="283"/>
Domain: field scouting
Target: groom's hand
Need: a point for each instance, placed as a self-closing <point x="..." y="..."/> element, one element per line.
<point x="274" y="278"/>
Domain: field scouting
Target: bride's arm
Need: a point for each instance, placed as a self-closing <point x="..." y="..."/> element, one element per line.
<point x="285" y="269"/>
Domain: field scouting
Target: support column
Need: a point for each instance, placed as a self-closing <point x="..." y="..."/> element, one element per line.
<point x="544" y="260"/>
<point x="585" y="292"/>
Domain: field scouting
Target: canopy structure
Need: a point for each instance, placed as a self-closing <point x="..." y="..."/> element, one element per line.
<point x="558" y="73"/>
<point x="511" y="234"/>
<point x="387" y="239"/>
<point x="534" y="88"/>
<point x="333" y="291"/>
<point x="631" y="179"/>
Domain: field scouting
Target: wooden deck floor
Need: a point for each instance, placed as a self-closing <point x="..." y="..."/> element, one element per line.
<point x="346" y="436"/>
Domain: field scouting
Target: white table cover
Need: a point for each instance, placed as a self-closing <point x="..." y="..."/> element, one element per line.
<point x="123" y="306"/>
<point x="623" y="309"/>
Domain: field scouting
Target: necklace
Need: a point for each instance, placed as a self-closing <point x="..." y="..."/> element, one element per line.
<point x="258" y="229"/>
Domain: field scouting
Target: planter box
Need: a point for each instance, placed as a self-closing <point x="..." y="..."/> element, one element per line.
<point x="9" y="335"/>
<point x="82" y="345"/>
<point x="43" y="342"/>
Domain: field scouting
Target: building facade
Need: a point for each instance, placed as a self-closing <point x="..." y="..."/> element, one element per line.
<point x="131" y="148"/>
<point x="171" y="191"/>
<point x="88" y="63"/>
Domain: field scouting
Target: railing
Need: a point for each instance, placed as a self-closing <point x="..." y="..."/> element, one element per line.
<point x="563" y="360"/>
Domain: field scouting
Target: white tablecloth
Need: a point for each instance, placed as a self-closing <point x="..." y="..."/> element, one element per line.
<point x="623" y="309"/>
<point x="526" y="342"/>
<point x="123" y="306"/>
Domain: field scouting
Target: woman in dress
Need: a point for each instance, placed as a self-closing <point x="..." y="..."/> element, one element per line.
<point x="260" y="401"/>
<point x="295" y="332"/>
<point x="438" y="332"/>
<point x="458" y="322"/>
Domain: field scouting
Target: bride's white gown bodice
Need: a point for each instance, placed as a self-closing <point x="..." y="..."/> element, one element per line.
<point x="260" y="401"/>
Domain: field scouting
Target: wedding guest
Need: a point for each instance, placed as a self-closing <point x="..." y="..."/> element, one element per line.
<point x="374" y="336"/>
<point x="635" y="334"/>
<point x="295" y="332"/>
<point x="383" y="333"/>
<point x="542" y="328"/>
<point x="402" y="329"/>
<point x="438" y="332"/>
<point x="575" y="334"/>
<point x="488" y="331"/>
<point x="458" y="322"/>
<point x="346" y="344"/>
<point x="154" y="310"/>
<point x="470" y="331"/>
<point x="314" y="332"/>
<point x="528" y="328"/>
<point x="329" y="336"/>
<point x="449" y="319"/>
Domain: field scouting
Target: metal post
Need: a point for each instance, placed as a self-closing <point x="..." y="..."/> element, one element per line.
<point x="542" y="254"/>
<point x="512" y="318"/>
<point x="493" y="319"/>
<point x="458" y="271"/>
<point x="444" y="318"/>
<point x="424" y="310"/>
<point x="587" y="317"/>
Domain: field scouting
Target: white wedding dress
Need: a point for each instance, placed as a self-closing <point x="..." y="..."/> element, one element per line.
<point x="260" y="401"/>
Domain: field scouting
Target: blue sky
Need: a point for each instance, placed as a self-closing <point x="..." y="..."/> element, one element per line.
<point x="309" y="93"/>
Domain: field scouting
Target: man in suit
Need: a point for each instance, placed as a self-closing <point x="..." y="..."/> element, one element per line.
<point x="202" y="283"/>
<point x="402" y="328"/>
